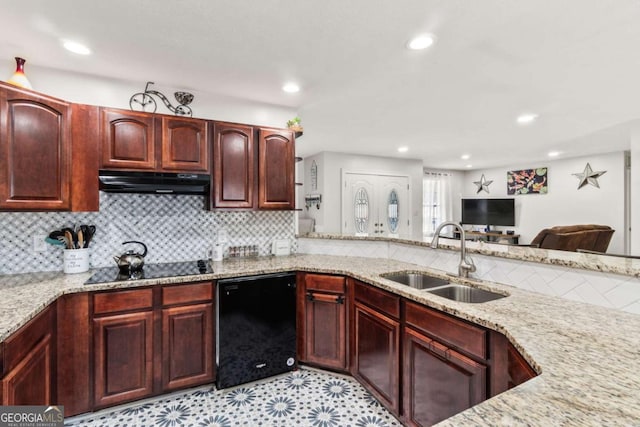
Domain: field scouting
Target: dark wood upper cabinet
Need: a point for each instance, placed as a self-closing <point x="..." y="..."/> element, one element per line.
<point x="438" y="381"/>
<point x="35" y="151"/>
<point x="85" y="158"/>
<point x="128" y="139"/>
<point x="185" y="145"/>
<point x="322" y="307"/>
<point x="276" y="163"/>
<point x="233" y="166"/>
<point x="144" y="141"/>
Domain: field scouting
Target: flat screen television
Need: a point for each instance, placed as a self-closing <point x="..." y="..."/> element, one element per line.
<point x="488" y="212"/>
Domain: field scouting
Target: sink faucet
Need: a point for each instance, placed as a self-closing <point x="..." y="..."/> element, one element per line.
<point x="466" y="265"/>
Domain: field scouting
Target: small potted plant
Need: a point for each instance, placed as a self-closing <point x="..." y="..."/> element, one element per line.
<point x="294" y="124"/>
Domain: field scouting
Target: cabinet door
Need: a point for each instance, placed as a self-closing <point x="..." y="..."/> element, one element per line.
<point x="325" y="329"/>
<point x="376" y="354"/>
<point x="187" y="346"/>
<point x="123" y="357"/>
<point x="233" y="166"/>
<point x="276" y="160"/>
<point x="185" y="145"/>
<point x="438" y="381"/>
<point x="28" y="362"/>
<point x="35" y="151"/>
<point x="128" y="139"/>
<point x="518" y="369"/>
<point x="30" y="382"/>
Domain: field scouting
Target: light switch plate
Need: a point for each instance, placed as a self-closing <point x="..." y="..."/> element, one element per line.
<point x="39" y="245"/>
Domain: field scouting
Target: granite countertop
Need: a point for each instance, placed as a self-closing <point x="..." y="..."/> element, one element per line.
<point x="628" y="266"/>
<point x="588" y="357"/>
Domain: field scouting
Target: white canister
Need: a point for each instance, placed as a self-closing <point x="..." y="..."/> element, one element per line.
<point x="217" y="252"/>
<point x="76" y="260"/>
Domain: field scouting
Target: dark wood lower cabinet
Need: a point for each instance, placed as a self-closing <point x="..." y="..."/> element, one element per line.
<point x="518" y="369"/>
<point x="74" y="348"/>
<point x="151" y="340"/>
<point x="322" y="320"/>
<point x="439" y="382"/>
<point x="376" y="357"/>
<point x="29" y="383"/>
<point x="123" y="347"/>
<point x="28" y="363"/>
<point x="187" y="346"/>
<point x="98" y="349"/>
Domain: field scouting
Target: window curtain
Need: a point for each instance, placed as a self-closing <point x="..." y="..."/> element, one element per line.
<point x="436" y="201"/>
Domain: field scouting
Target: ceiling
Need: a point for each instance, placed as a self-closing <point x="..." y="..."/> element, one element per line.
<point x="575" y="63"/>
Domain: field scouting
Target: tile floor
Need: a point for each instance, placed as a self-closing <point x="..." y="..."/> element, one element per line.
<point x="307" y="397"/>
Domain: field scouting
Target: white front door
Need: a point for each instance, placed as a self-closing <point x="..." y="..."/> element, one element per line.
<point x="358" y="197"/>
<point x="375" y="204"/>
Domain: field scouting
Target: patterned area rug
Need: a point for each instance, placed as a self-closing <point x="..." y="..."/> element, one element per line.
<point x="306" y="397"/>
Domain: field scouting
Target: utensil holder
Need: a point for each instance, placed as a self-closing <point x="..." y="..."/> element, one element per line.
<point x="76" y="260"/>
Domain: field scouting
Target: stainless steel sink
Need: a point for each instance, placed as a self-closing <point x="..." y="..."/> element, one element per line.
<point x="464" y="293"/>
<point x="416" y="280"/>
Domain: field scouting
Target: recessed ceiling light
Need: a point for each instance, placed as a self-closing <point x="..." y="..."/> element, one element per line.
<point x="469" y="166"/>
<point x="76" y="47"/>
<point x="524" y="119"/>
<point x="421" y="41"/>
<point x="465" y="156"/>
<point x="291" y="88"/>
<point x="403" y="149"/>
<point x="553" y="153"/>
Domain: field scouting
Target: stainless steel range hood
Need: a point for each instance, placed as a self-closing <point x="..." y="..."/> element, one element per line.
<point x="154" y="182"/>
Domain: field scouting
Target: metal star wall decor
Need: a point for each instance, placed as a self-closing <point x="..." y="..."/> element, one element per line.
<point x="588" y="176"/>
<point x="483" y="184"/>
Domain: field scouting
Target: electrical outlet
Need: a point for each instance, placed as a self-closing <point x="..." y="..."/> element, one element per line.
<point x="39" y="245"/>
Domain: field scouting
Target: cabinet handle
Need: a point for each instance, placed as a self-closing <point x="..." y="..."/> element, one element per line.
<point x="338" y="299"/>
<point x="439" y="349"/>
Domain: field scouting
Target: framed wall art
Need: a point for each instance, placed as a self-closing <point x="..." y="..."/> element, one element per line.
<point x="527" y="181"/>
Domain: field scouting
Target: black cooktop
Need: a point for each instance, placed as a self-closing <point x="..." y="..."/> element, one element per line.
<point x="151" y="271"/>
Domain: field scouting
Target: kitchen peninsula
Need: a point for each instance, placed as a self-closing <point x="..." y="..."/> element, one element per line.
<point x="587" y="357"/>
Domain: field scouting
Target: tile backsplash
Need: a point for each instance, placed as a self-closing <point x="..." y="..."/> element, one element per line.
<point x="174" y="228"/>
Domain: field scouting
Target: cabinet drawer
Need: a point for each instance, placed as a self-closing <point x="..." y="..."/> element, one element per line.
<point x="321" y="282"/>
<point x="448" y="329"/>
<point x="109" y="302"/>
<point x="184" y="294"/>
<point x="378" y="299"/>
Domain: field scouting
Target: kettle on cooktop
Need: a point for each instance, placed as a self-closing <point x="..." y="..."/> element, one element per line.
<point x="130" y="260"/>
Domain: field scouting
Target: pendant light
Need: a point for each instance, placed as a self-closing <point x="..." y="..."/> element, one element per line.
<point x="18" y="78"/>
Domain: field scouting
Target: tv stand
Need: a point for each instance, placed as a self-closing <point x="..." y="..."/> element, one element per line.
<point x="490" y="236"/>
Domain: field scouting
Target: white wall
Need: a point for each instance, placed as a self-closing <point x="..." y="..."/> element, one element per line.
<point x="331" y="164"/>
<point x="564" y="204"/>
<point x="104" y="91"/>
<point x="635" y="193"/>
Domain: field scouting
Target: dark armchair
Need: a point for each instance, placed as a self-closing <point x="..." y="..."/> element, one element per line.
<point x="589" y="237"/>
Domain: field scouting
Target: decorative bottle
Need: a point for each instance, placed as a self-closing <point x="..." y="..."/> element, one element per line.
<point x="19" y="78"/>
